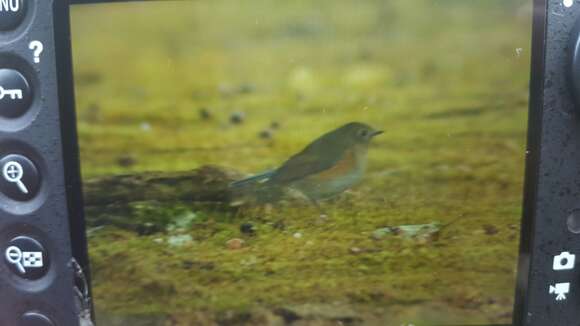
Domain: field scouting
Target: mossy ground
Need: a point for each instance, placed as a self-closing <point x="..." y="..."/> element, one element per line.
<point x="446" y="80"/>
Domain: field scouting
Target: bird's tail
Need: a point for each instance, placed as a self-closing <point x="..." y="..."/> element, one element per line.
<point x="253" y="180"/>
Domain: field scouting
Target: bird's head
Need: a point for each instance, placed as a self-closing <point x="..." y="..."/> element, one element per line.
<point x="358" y="133"/>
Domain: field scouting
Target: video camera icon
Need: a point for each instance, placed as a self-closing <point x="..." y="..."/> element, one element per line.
<point x="560" y="290"/>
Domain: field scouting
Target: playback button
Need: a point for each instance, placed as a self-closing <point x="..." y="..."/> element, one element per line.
<point x="26" y="258"/>
<point x="15" y="94"/>
<point x="19" y="178"/>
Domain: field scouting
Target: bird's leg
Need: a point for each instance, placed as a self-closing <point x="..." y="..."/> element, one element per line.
<point x="321" y="210"/>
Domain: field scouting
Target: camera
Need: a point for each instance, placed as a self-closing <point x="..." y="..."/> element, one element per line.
<point x="289" y="162"/>
<point x="564" y="261"/>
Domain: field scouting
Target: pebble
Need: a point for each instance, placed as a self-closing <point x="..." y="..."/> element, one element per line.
<point x="126" y="160"/>
<point x="180" y="240"/>
<point x="279" y="225"/>
<point x="145" y="126"/>
<point x="246" y="88"/>
<point x="187" y="264"/>
<point x="297" y="235"/>
<point x="237" y="118"/>
<point x="490" y="229"/>
<point x="204" y="114"/>
<point x="235" y="244"/>
<point x="355" y="250"/>
<point x="248" y="228"/>
<point x="266" y="134"/>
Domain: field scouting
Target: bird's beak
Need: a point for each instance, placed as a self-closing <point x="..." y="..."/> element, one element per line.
<point x="376" y="133"/>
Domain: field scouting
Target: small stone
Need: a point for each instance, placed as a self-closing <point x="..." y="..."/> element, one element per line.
<point x="145" y="127"/>
<point x="490" y="229"/>
<point x="204" y="114"/>
<point x="180" y="240"/>
<point x="246" y="88"/>
<point x="226" y="90"/>
<point x="355" y="250"/>
<point x="126" y="160"/>
<point x="297" y="235"/>
<point x="279" y="225"/>
<point x="266" y="134"/>
<point x="237" y="118"/>
<point x="248" y="228"/>
<point x="235" y="244"/>
<point x="147" y="229"/>
<point x="187" y="264"/>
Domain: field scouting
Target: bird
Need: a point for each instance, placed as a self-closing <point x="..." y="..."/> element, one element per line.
<point x="328" y="166"/>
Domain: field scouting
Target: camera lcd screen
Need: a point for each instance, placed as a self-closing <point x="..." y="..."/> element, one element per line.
<point x="270" y="162"/>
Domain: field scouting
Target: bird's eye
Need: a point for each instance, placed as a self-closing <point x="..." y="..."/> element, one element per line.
<point x="364" y="133"/>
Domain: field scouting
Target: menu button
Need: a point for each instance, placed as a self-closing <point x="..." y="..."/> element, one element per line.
<point x="12" y="13"/>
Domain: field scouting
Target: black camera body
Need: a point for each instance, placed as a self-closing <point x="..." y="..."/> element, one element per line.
<point x="38" y="279"/>
<point x="548" y="269"/>
<point x="44" y="268"/>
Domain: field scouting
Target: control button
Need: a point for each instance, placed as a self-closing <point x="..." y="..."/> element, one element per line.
<point x="12" y="13"/>
<point x="564" y="261"/>
<point x="26" y="258"/>
<point x="15" y="93"/>
<point x="19" y="177"/>
<point x="573" y="221"/>
<point x="34" y="319"/>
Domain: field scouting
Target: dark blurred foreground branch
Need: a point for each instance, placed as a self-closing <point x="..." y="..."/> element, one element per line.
<point x="206" y="184"/>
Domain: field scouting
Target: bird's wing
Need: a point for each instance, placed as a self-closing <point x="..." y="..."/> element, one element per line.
<point x="252" y="180"/>
<point x="312" y="160"/>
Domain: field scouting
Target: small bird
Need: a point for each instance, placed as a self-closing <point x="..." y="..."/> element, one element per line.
<point x="328" y="166"/>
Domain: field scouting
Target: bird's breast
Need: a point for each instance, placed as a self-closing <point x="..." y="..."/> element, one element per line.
<point x="348" y="171"/>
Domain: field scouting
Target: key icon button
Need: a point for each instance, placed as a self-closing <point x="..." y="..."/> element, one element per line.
<point x="15" y="94"/>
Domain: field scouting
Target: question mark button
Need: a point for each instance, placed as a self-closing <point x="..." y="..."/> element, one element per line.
<point x="37" y="47"/>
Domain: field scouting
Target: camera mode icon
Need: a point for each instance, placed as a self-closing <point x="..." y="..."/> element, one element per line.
<point x="564" y="261"/>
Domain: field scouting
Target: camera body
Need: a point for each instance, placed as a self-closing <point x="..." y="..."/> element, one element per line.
<point x="44" y="274"/>
<point x="38" y="269"/>
<point x="548" y="274"/>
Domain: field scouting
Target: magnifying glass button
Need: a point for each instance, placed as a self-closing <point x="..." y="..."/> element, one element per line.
<point x="19" y="177"/>
<point x="14" y="257"/>
<point x="26" y="258"/>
